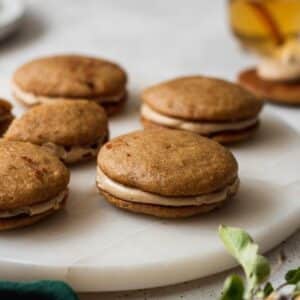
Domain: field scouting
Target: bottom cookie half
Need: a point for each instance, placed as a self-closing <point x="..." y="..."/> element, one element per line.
<point x="24" y="220"/>
<point x="160" y="211"/>
<point x="225" y="137"/>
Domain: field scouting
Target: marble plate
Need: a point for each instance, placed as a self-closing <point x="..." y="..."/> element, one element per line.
<point x="96" y="247"/>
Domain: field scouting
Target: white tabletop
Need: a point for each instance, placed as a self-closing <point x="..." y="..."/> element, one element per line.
<point x="153" y="40"/>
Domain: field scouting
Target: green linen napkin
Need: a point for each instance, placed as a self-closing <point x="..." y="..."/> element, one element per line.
<point x="36" y="290"/>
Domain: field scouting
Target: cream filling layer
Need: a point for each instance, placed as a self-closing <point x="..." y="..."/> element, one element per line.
<point x="272" y="69"/>
<point x="76" y="153"/>
<point x="36" y="209"/>
<point x="138" y="196"/>
<point x="32" y="99"/>
<point x="202" y="128"/>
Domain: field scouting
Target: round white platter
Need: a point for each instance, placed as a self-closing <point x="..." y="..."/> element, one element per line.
<point x="96" y="247"/>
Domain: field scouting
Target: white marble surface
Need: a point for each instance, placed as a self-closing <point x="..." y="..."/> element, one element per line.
<point x="154" y="40"/>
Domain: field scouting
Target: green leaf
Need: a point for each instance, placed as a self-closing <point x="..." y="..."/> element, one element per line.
<point x="241" y="246"/>
<point x="296" y="291"/>
<point x="233" y="288"/>
<point x="259" y="269"/>
<point x="293" y="276"/>
<point x="268" y="289"/>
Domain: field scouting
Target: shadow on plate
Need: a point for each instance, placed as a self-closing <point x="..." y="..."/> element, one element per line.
<point x="273" y="132"/>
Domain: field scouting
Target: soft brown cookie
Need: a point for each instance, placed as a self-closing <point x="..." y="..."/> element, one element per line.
<point x="159" y="210"/>
<point x="281" y="92"/>
<point x="25" y="220"/>
<point x="166" y="173"/>
<point x="34" y="184"/>
<point x="207" y="106"/>
<point x="6" y="115"/>
<point x="72" y="130"/>
<point x="73" y="77"/>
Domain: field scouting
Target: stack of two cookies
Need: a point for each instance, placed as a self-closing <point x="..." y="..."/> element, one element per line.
<point x="166" y="173"/>
<point x="71" y="77"/>
<point x="33" y="184"/>
<point x="211" y="107"/>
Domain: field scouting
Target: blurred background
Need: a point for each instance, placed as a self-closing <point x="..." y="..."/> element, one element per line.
<point x="159" y="39"/>
<point x="153" y="40"/>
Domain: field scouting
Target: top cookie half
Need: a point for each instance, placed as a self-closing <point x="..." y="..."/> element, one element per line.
<point x="200" y="98"/>
<point x="168" y="162"/>
<point x="70" y="76"/>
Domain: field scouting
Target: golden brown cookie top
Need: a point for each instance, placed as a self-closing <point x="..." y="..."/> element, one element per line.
<point x="29" y="175"/>
<point x="65" y="122"/>
<point x="168" y="162"/>
<point x="202" y="98"/>
<point x="5" y="107"/>
<point x="70" y="76"/>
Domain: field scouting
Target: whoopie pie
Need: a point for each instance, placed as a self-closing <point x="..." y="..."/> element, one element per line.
<point x="72" y="130"/>
<point x="33" y="185"/>
<point x="48" y="79"/>
<point x="166" y="173"/>
<point x="211" y="107"/>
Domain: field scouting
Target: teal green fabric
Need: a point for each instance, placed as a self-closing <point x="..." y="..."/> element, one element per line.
<point x="36" y="290"/>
